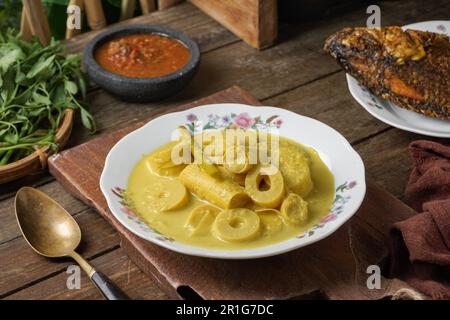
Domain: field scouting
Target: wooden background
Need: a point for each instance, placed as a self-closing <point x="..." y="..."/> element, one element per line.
<point x="295" y="74"/>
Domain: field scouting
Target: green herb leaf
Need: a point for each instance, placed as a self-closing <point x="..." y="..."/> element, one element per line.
<point x="20" y="76"/>
<point x="88" y="121"/>
<point x="71" y="87"/>
<point x="11" y="55"/>
<point x="40" y="66"/>
<point x="41" y="99"/>
<point x="59" y="95"/>
<point x="7" y="88"/>
<point x="11" y="138"/>
<point x="72" y="59"/>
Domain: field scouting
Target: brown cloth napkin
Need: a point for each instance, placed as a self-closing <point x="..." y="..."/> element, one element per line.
<point x="420" y="245"/>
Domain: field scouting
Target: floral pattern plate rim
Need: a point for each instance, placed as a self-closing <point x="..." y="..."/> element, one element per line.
<point x="344" y="162"/>
<point x="395" y="116"/>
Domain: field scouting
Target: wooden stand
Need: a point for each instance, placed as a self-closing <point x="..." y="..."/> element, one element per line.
<point x="255" y="21"/>
<point x="96" y="17"/>
<point x="34" y="21"/>
<point x="73" y="32"/>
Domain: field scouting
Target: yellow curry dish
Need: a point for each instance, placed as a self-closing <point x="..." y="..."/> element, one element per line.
<point x="226" y="195"/>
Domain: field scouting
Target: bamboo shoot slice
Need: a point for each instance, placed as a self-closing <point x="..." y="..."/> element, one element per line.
<point x="223" y="193"/>
<point x="270" y="198"/>
<point x="294" y="209"/>
<point x="271" y="221"/>
<point x="225" y="174"/>
<point x="201" y="219"/>
<point x="294" y="166"/>
<point x="160" y="161"/>
<point x="166" y="195"/>
<point x="236" y="225"/>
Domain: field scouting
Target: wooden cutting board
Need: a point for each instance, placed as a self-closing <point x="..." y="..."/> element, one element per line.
<point x="333" y="268"/>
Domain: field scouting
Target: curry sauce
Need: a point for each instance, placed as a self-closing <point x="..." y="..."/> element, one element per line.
<point x="187" y="204"/>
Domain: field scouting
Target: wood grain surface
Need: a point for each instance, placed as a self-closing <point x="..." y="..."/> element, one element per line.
<point x="294" y="74"/>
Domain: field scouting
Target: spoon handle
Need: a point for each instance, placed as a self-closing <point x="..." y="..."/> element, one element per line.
<point x="109" y="290"/>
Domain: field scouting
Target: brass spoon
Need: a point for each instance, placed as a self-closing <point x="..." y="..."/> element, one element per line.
<point x="52" y="232"/>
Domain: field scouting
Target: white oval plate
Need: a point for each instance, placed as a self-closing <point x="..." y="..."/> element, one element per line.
<point x="395" y="116"/>
<point x="345" y="164"/>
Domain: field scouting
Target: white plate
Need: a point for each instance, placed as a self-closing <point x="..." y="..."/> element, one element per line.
<point x="345" y="164"/>
<point x="395" y="116"/>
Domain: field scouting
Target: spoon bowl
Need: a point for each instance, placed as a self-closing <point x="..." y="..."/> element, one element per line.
<point x="48" y="228"/>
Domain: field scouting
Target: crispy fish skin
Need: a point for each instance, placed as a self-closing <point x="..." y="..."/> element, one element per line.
<point x="410" y="68"/>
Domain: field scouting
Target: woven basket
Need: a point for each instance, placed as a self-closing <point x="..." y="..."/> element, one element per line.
<point x="37" y="161"/>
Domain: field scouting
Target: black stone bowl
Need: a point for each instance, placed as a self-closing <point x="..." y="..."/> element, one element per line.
<point x="140" y="89"/>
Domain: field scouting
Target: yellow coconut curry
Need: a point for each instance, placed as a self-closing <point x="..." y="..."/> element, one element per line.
<point x="235" y="204"/>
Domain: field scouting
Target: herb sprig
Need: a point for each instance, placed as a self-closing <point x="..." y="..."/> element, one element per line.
<point x="37" y="84"/>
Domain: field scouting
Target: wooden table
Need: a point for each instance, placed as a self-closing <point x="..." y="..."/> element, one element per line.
<point x="295" y="74"/>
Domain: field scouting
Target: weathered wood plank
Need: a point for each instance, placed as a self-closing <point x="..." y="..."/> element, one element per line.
<point x="8" y="190"/>
<point x="387" y="159"/>
<point x="115" y="264"/>
<point x="21" y="266"/>
<point x="329" y="101"/>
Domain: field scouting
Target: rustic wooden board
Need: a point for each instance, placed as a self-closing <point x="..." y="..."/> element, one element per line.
<point x="335" y="266"/>
<point x="254" y="21"/>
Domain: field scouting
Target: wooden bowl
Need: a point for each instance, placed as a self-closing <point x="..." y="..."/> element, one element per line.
<point x="37" y="161"/>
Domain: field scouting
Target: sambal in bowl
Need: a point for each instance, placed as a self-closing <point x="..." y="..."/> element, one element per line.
<point x="141" y="63"/>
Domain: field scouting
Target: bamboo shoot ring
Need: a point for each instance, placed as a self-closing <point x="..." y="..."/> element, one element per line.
<point x="270" y="198"/>
<point x="236" y="225"/>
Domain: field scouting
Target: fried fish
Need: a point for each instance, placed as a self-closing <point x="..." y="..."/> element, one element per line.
<point x="410" y="68"/>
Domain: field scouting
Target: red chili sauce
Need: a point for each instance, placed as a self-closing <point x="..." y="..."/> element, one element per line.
<point x="142" y="55"/>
